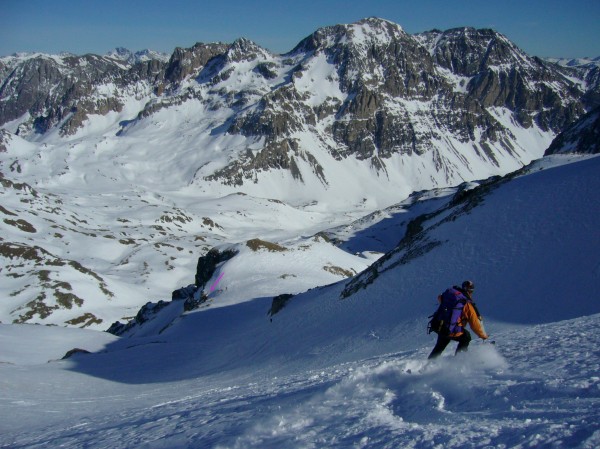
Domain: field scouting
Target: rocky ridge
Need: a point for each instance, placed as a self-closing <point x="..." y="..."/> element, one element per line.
<point x="366" y="90"/>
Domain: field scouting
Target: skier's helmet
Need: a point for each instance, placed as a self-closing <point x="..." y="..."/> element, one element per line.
<point x="468" y="286"/>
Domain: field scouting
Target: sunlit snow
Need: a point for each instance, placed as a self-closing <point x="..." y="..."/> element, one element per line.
<point x="350" y="373"/>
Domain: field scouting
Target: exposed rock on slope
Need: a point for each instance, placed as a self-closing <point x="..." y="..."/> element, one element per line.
<point x="581" y="137"/>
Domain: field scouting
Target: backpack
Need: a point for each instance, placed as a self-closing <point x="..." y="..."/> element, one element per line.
<point x="444" y="320"/>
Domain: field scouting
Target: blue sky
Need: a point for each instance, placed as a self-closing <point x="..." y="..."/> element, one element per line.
<point x="540" y="27"/>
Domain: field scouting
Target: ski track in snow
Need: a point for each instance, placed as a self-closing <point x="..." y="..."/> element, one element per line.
<point x="538" y="387"/>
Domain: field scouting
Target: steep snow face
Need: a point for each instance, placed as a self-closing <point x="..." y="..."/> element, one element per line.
<point x="510" y="240"/>
<point x="325" y="371"/>
<point x="510" y="236"/>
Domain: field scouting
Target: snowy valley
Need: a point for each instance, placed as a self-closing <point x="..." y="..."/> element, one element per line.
<point x="315" y="204"/>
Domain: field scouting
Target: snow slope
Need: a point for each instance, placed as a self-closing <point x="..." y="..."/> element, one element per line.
<point x="526" y="393"/>
<point x="341" y="373"/>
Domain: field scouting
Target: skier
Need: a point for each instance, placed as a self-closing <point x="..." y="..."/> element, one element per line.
<point x="456" y="330"/>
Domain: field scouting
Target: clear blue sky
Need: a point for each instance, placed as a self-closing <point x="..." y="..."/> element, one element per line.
<point x="559" y="28"/>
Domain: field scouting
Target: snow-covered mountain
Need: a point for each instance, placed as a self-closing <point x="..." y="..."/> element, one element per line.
<point x="575" y="62"/>
<point x="344" y="365"/>
<point x="368" y="96"/>
<point x="136" y="57"/>
<point x="118" y="175"/>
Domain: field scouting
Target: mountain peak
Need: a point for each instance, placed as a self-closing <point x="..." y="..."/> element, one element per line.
<point x="467" y="51"/>
<point x="378" y="23"/>
<point x="372" y="30"/>
<point x="126" y="55"/>
<point x="244" y="49"/>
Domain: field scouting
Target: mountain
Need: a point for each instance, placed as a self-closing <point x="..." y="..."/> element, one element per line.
<point x="583" y="136"/>
<point x="575" y="62"/>
<point x="118" y="176"/>
<point x="345" y="365"/>
<point x="585" y="71"/>
<point x="136" y="57"/>
<point x="40" y="91"/>
<point x="268" y="234"/>
<point x="365" y="94"/>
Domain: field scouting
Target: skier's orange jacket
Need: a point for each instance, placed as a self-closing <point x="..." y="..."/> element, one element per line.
<point x="469" y="315"/>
